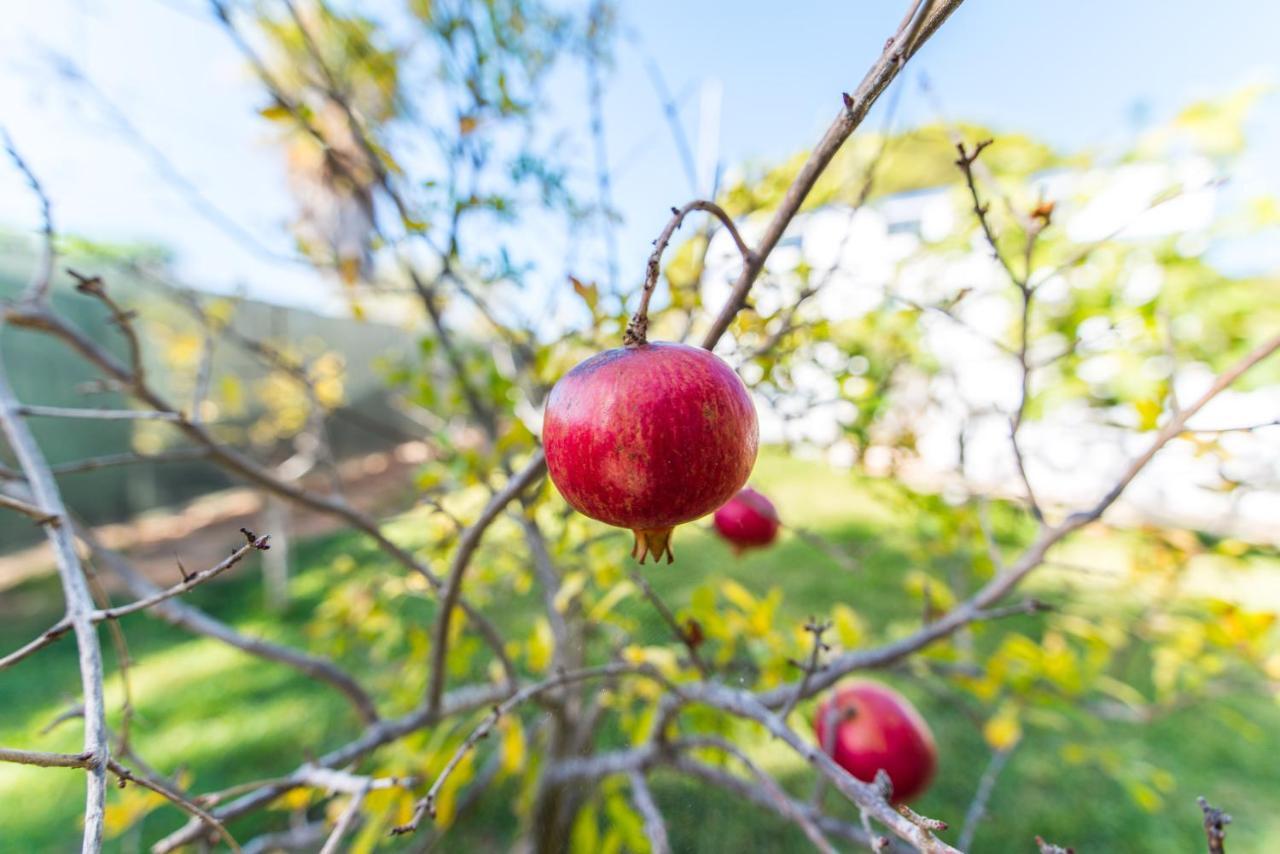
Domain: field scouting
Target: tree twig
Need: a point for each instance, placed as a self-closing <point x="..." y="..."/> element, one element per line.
<point x="654" y="826"/>
<point x="1215" y="826"/>
<point x="79" y="604"/>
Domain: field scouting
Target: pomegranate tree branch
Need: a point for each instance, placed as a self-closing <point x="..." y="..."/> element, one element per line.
<point x="426" y="805"/>
<point x="982" y="796"/>
<point x="374" y="736"/>
<point x="1034" y="224"/>
<point x="467" y="545"/>
<point x="128" y="458"/>
<point x="98" y="615"/>
<point x="654" y="826"/>
<point x="669" y="618"/>
<point x="787" y="807"/>
<point x="192" y="619"/>
<point x="45" y="760"/>
<point x="783" y="804"/>
<point x="42" y="280"/>
<point x="918" y="26"/>
<point x="26" y="508"/>
<point x="79" y="604"/>
<point x="1215" y="826"/>
<point x="32" y="410"/>
<point x="638" y="328"/>
<point x="124" y="775"/>
<point x="812" y="666"/>
<point x="869" y="797"/>
<point x="347" y="821"/>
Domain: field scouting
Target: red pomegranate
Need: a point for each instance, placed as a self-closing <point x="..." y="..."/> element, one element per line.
<point x="748" y="521"/>
<point x="876" y="727"/>
<point x="650" y="436"/>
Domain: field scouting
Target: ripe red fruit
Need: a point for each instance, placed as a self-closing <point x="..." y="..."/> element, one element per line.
<point x="748" y="521"/>
<point x="650" y="436"/>
<point x="876" y="727"/>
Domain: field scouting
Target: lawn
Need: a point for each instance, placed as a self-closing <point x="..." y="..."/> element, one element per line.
<point x="224" y="717"/>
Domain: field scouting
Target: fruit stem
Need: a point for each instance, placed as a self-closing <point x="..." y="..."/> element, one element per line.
<point x="638" y="328"/>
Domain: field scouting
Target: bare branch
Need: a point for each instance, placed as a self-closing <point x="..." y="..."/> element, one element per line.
<point x="128" y="458"/>
<point x="816" y="630"/>
<point x="681" y="634"/>
<point x="345" y="823"/>
<point x="766" y="796"/>
<point x="241" y="465"/>
<point x="188" y="617"/>
<point x="188" y="582"/>
<point x="46" y="760"/>
<point x="467" y="545"/>
<point x="42" y="280"/>
<point x="79" y="603"/>
<point x="374" y="736"/>
<point x="981" y="797"/>
<point x="654" y="826"/>
<point x="176" y="798"/>
<point x="782" y="803"/>
<point x="37" y="514"/>
<point x="638" y="328"/>
<point x="1215" y="826"/>
<point x="867" y="796"/>
<point x="32" y="410"/>
<point x="919" y="25"/>
<point x="426" y="806"/>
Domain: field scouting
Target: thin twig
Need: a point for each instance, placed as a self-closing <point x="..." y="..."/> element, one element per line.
<point x="42" y="279"/>
<point x="79" y="605"/>
<point x="668" y="617"/>
<point x="467" y="545"/>
<point x="981" y="797"/>
<point x="654" y="827"/>
<point x="918" y="26"/>
<point x="346" y="822"/>
<point x="1215" y="826"/>
<point x="426" y="806"/>
<point x="638" y="328"/>
<point x="98" y="615"/>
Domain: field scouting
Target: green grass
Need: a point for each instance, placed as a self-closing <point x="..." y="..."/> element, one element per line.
<point x="226" y="717"/>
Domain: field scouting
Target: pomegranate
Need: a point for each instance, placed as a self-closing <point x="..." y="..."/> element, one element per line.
<point x="649" y="436"/>
<point x="876" y="727"/>
<point x="748" y="521"/>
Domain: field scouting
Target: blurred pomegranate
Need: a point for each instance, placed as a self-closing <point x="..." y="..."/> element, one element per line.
<point x="875" y="727"/>
<point x="748" y="521"/>
<point x="650" y="436"/>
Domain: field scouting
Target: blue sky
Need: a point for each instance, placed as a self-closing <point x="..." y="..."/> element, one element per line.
<point x="1080" y="74"/>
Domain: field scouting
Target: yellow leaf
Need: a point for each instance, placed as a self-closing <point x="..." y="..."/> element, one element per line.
<point x="513" y="746"/>
<point x="848" y="625"/>
<point x="738" y="595"/>
<point x="1003" y="730"/>
<point x="1148" y="413"/>
<point x="589" y="292"/>
<point x="275" y="113"/>
<point x="467" y="124"/>
<point x="540" y="646"/>
<point x="294" y="799"/>
<point x="616" y="594"/>
<point x="570" y="587"/>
